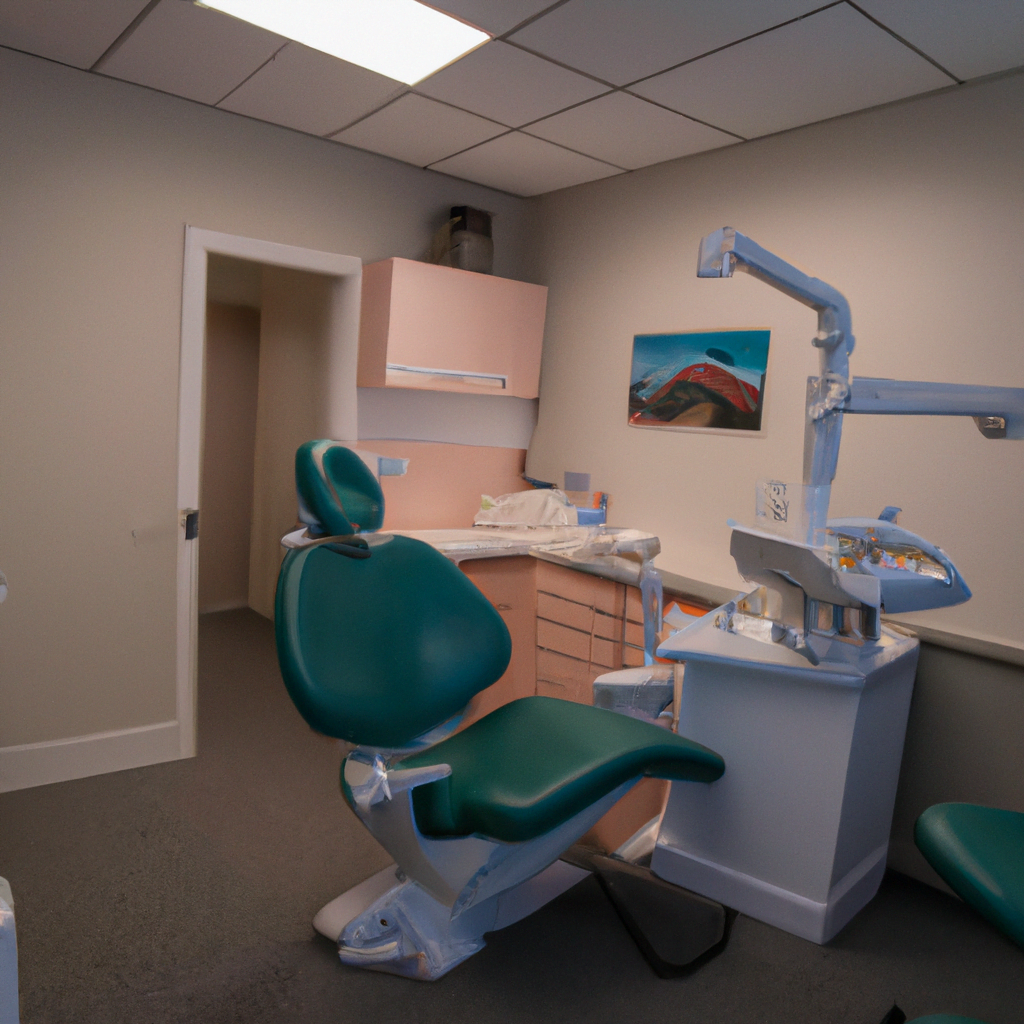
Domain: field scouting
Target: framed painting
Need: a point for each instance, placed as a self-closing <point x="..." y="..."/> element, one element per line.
<point x="699" y="380"/>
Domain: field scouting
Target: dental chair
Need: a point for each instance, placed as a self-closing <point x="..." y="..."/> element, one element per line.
<point x="382" y="642"/>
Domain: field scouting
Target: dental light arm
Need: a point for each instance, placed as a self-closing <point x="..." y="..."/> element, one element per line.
<point x="726" y="249"/>
<point x="998" y="412"/>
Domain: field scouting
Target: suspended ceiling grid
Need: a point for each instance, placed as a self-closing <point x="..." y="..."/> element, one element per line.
<point x="566" y="92"/>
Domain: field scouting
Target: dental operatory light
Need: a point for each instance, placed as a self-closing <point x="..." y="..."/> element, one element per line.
<point x="402" y="39"/>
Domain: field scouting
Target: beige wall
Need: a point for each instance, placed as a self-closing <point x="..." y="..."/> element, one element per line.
<point x="98" y="179"/>
<point x="292" y="409"/>
<point x="914" y="212"/>
<point x="229" y="445"/>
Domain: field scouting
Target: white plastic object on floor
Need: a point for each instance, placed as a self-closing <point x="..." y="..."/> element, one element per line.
<point x="8" y="957"/>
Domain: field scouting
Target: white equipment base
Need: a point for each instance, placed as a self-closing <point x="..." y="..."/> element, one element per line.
<point x="796" y="831"/>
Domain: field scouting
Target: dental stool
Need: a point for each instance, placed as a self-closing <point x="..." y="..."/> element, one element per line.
<point x="979" y="853"/>
<point x="382" y="642"/>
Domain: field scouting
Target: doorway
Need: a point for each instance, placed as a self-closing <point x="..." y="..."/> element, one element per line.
<point x="304" y="366"/>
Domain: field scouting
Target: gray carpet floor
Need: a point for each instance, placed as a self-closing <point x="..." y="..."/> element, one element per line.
<point x="184" y="892"/>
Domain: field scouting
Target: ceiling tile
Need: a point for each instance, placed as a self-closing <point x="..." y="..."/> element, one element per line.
<point x="305" y="89"/>
<point x="508" y="85"/>
<point x="192" y="51"/>
<point x="968" y="38"/>
<point x="494" y="16"/>
<point x="524" y="166"/>
<point x="75" y="32"/>
<point x="628" y="131"/>
<point x="621" y="42"/>
<point x="419" y="131"/>
<point x="831" y="63"/>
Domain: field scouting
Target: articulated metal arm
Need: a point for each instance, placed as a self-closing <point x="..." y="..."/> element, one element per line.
<point x="999" y="412"/>
<point x="726" y="249"/>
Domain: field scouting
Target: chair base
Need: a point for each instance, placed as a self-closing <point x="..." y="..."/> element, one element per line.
<point x="399" y="928"/>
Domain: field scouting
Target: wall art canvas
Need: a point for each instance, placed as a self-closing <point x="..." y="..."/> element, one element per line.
<point x="699" y="380"/>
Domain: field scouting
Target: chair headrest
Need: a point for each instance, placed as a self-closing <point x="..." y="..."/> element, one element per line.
<point x="338" y="493"/>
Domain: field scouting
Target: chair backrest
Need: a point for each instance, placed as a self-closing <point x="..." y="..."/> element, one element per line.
<point x="338" y="493"/>
<point x="378" y="650"/>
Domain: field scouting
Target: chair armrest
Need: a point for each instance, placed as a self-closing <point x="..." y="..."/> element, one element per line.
<point x="371" y="783"/>
<point x="409" y="778"/>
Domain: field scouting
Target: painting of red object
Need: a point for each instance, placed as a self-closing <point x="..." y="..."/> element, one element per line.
<point x="699" y="380"/>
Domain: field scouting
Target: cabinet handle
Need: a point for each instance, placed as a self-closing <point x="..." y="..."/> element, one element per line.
<point x="498" y="381"/>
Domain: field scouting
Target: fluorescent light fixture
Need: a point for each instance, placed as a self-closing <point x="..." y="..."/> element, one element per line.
<point x="402" y="39"/>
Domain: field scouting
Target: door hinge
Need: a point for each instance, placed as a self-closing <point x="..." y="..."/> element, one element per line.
<point x="190" y="520"/>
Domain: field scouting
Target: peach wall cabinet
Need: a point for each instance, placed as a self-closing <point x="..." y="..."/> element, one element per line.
<point x="442" y="329"/>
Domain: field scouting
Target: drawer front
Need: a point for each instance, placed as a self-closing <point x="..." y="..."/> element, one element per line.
<point x="580" y="587"/>
<point x="568" y="613"/>
<point x="607" y="626"/>
<point x="605" y="654"/>
<point x="553" y="637"/>
<point x="564" y="677"/>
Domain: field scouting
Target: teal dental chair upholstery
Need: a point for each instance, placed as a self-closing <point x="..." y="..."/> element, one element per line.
<point x="945" y="1018"/>
<point x="382" y="642"/>
<point x="338" y="492"/>
<point x="979" y="853"/>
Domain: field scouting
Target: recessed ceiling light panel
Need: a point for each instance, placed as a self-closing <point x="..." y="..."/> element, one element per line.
<point x="402" y="39"/>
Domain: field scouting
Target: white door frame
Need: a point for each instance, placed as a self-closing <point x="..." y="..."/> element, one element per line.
<point x="342" y="349"/>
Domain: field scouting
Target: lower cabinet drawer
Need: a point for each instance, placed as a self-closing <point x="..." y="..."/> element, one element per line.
<point x="564" y="677"/>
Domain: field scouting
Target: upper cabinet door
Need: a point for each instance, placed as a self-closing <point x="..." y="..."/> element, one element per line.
<point x="424" y="326"/>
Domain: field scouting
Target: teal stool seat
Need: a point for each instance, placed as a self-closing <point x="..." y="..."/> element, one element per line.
<point x="979" y="853"/>
<point x="945" y="1018"/>
<point x="533" y="764"/>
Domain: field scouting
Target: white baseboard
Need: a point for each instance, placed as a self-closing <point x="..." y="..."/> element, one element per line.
<point x="38" y="764"/>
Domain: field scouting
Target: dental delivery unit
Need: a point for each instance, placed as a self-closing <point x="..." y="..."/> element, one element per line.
<point x="791" y="715"/>
<point x="798" y="684"/>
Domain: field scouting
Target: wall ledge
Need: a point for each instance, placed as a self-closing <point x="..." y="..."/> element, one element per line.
<point x="39" y="764"/>
<point x="982" y="648"/>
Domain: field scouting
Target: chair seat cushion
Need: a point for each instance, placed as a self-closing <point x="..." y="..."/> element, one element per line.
<point x="534" y="763"/>
<point x="979" y="852"/>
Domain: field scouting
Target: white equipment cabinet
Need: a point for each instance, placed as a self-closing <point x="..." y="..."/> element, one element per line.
<point x="797" y="830"/>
